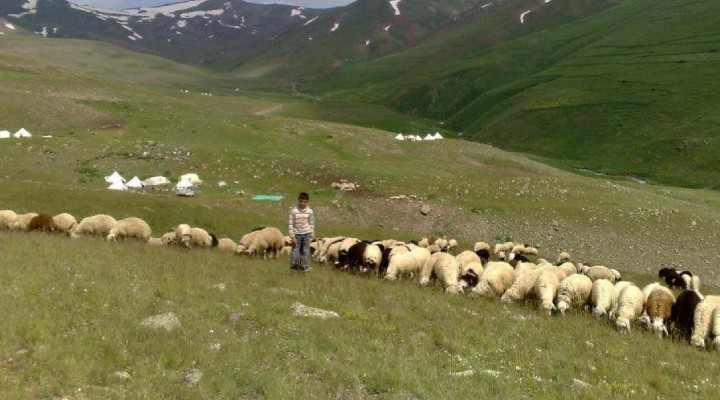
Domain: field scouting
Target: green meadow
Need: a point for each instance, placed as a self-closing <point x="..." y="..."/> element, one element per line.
<point x="72" y="308"/>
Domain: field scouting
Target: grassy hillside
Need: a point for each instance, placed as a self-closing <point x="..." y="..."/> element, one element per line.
<point x="72" y="308"/>
<point x="628" y="91"/>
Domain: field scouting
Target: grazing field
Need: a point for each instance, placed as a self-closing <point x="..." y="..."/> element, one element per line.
<point x="73" y="308"/>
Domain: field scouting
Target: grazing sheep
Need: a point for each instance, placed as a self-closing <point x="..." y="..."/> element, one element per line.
<point x="8" y="220"/>
<point x="452" y="243"/>
<point x="98" y="225"/>
<point x="409" y="263"/>
<point x="447" y="270"/>
<point x="547" y="286"/>
<point x="372" y="257"/>
<point x="564" y="256"/>
<point x="64" y="223"/>
<point x="201" y="238"/>
<point x="23" y="220"/>
<point x="630" y="305"/>
<point x="496" y="278"/>
<point x="41" y="222"/>
<point x="183" y="235"/>
<point x="683" y="313"/>
<point x="167" y="239"/>
<point x="600" y="272"/>
<point x="574" y="291"/>
<point x="568" y="268"/>
<point x="523" y="287"/>
<point x="530" y="251"/>
<point x="603" y="297"/>
<point x="328" y="250"/>
<point x="352" y="258"/>
<point x="131" y="227"/>
<point x="658" y="307"/>
<point x="226" y="244"/>
<point x="522" y="267"/>
<point x="703" y="320"/>
<point x="344" y="250"/>
<point x="679" y="279"/>
<point x="467" y="257"/>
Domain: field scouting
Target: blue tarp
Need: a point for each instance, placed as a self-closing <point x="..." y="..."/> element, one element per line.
<point x="268" y="197"/>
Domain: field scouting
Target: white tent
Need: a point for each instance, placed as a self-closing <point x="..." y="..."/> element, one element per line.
<point x="156" y="181"/>
<point x="429" y="137"/>
<point x="114" y="178"/>
<point x="22" y="133"/>
<point x="438" y="135"/>
<point x="184" y="184"/>
<point x="118" y="185"/>
<point x="399" y="136"/>
<point x="4" y="134"/>
<point x="418" y="137"/>
<point x="135" y="183"/>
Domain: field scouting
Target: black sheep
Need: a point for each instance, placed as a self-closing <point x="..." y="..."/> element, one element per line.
<point x="682" y="315"/>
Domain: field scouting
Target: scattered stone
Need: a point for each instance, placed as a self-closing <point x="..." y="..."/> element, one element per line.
<point x="215" y="346"/>
<point x="193" y="377"/>
<point x="578" y="384"/>
<point x="589" y="344"/>
<point x="468" y="372"/>
<point x="305" y="311"/>
<point x="220" y="286"/>
<point x="235" y="318"/>
<point x="425" y="209"/>
<point x="122" y="375"/>
<point x="491" y="372"/>
<point x="168" y="321"/>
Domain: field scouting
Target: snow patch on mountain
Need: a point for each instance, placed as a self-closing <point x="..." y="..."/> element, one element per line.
<point x="335" y="27"/>
<point x="297" y="12"/>
<point x="204" y="14"/>
<point x="309" y="22"/>
<point x="522" y="16"/>
<point x="394" y="5"/>
<point x="30" y="7"/>
<point x="10" y="26"/>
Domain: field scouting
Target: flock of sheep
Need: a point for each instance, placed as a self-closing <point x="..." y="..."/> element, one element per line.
<point x="552" y="287"/>
<point x="265" y="241"/>
<point x="510" y="276"/>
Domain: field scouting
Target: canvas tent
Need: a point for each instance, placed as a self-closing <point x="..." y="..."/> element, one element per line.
<point x="438" y="135"/>
<point x="22" y="133"/>
<point x="114" y="178"/>
<point x="156" y="181"/>
<point x="135" y="183"/>
<point x="429" y="137"/>
<point x="118" y="185"/>
<point x="399" y="136"/>
<point x="185" y="188"/>
<point x="4" y="134"/>
<point x="418" y="138"/>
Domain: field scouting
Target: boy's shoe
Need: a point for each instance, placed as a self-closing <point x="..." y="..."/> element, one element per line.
<point x="308" y="269"/>
<point x="295" y="268"/>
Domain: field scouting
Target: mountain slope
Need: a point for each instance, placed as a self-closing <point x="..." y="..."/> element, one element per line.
<point x="627" y="91"/>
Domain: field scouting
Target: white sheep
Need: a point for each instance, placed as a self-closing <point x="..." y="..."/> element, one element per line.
<point x="408" y="263"/>
<point x="481" y="246"/>
<point x="131" y="227"/>
<point x="467" y="257"/>
<point x="523" y="287"/>
<point x="574" y="291"/>
<point x="201" y="238"/>
<point x="496" y="278"/>
<point x="630" y="305"/>
<point x="601" y="272"/>
<point x="8" y="220"/>
<point x="603" y="297"/>
<point x="716" y="328"/>
<point x="167" y="239"/>
<point x="658" y="307"/>
<point x="568" y="268"/>
<point x="226" y="244"/>
<point x="324" y="248"/>
<point x="446" y="269"/>
<point x="183" y="235"/>
<point x="522" y="267"/>
<point x="266" y="242"/>
<point x="703" y="320"/>
<point x="619" y="286"/>
<point x="23" y="220"/>
<point x="99" y="225"/>
<point x="64" y="223"/>
<point x="530" y="251"/>
<point x="372" y="257"/>
<point x="547" y="286"/>
<point x="564" y="256"/>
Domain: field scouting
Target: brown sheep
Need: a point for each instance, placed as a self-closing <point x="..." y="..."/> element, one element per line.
<point x="41" y="222"/>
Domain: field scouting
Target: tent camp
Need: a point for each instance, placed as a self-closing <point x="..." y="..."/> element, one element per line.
<point x="437" y="136"/>
<point x="156" y="181"/>
<point x="184" y="188"/>
<point x="114" y="178"/>
<point x="429" y="137"/>
<point x="22" y="133"/>
<point x="418" y="138"/>
<point x="399" y="136"/>
<point x="135" y="183"/>
<point x="4" y="134"/>
<point x="118" y="185"/>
